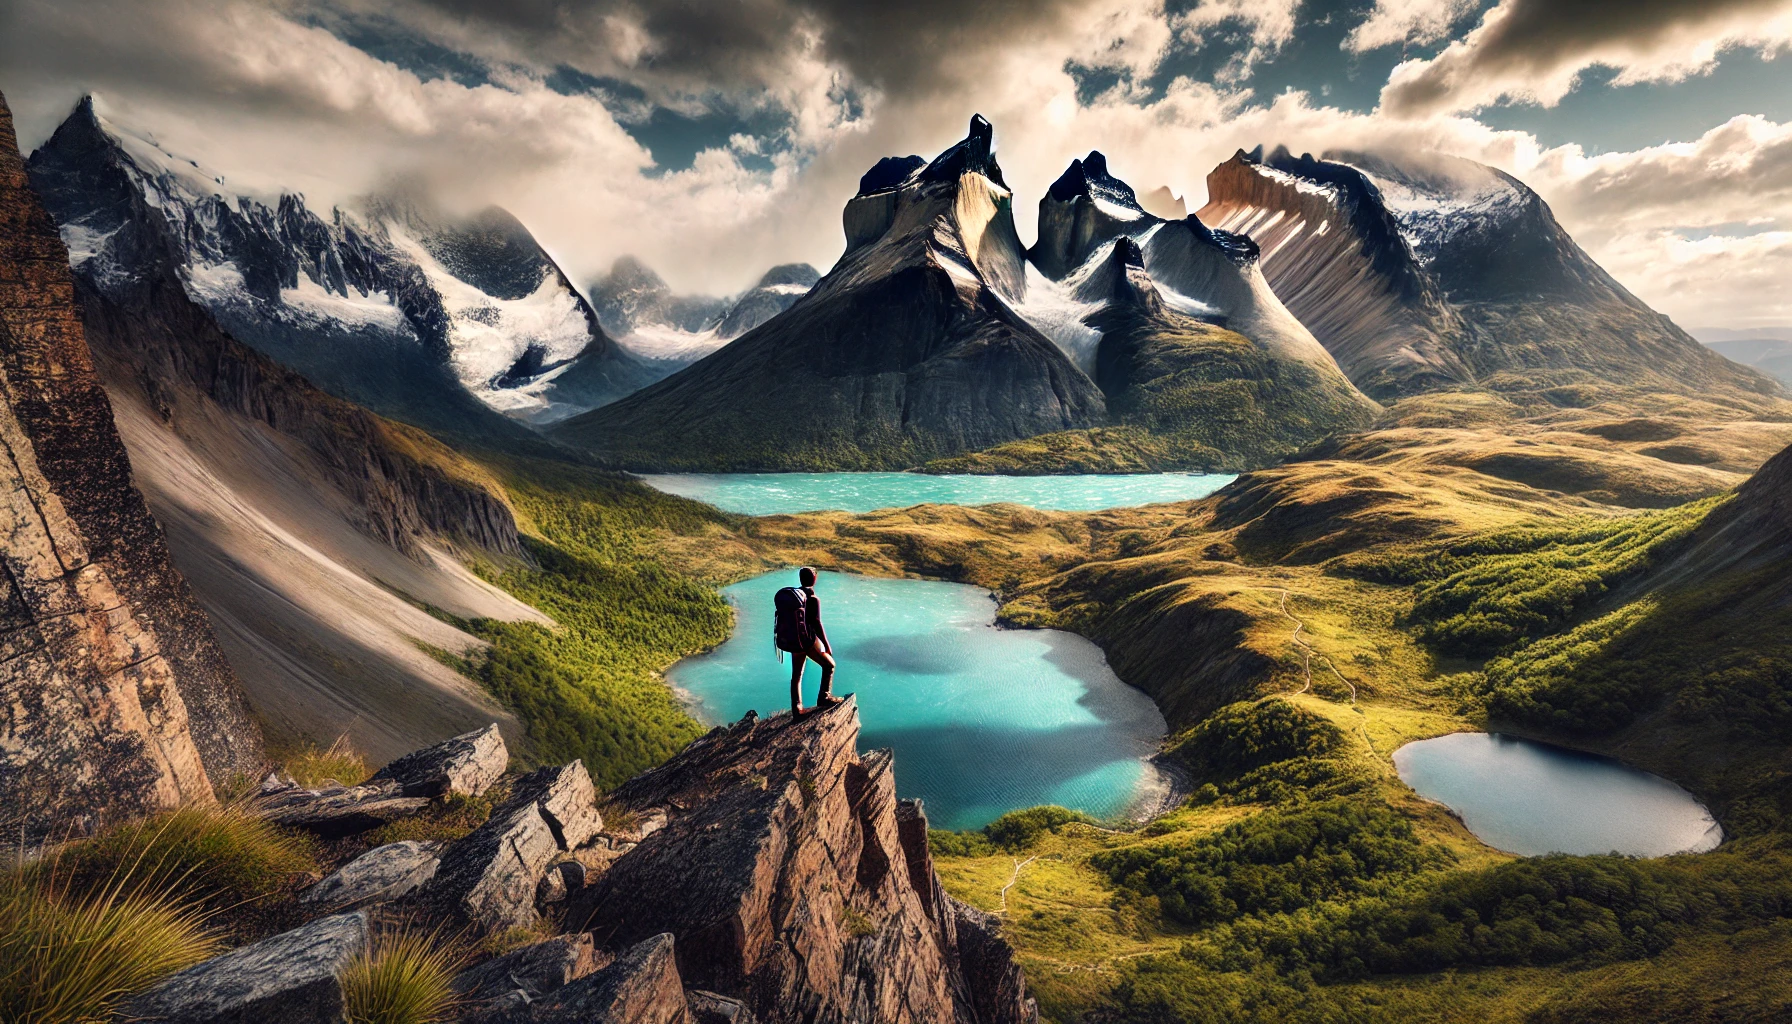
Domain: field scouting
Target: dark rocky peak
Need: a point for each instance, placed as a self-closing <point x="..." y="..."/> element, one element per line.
<point x="1240" y="249"/>
<point x="890" y="174"/>
<point x="1121" y="280"/>
<point x="1083" y="209"/>
<point x="1089" y="178"/>
<point x="632" y="296"/>
<point x="801" y="274"/>
<point x="491" y="251"/>
<point x="974" y="154"/>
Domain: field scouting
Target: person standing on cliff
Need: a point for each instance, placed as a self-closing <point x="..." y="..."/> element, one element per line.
<point x="798" y="629"/>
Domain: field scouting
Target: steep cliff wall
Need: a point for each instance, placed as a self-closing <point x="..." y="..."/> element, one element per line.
<point x="118" y="698"/>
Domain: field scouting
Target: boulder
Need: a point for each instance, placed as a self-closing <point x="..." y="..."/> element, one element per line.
<point x="467" y="765"/>
<point x="288" y="979"/>
<point x="488" y="879"/>
<point x="567" y="801"/>
<point x="341" y="810"/>
<point x="641" y="987"/>
<point x="380" y="875"/>
<point x="534" y="971"/>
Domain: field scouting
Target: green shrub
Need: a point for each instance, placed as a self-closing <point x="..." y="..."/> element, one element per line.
<point x="959" y="844"/>
<point x="1489" y="592"/>
<point x="1242" y="737"/>
<point x="402" y="978"/>
<point x="1018" y="830"/>
<point x="218" y="853"/>
<point x="1274" y="862"/>
<point x="69" y="957"/>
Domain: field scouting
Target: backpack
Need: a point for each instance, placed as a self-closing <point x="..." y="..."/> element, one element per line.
<point x="790" y="628"/>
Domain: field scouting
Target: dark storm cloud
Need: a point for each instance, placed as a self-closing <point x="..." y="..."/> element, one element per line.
<point x="896" y="48"/>
<point x="1534" y="48"/>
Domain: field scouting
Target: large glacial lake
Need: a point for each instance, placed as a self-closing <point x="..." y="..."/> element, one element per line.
<point x="764" y="494"/>
<point x="1532" y="798"/>
<point x="983" y="720"/>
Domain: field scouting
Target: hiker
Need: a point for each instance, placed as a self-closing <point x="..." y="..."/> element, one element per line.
<point x="798" y="629"/>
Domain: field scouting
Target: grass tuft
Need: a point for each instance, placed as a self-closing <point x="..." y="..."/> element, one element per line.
<point x="340" y="764"/>
<point x="403" y="978"/>
<point x="219" y="854"/>
<point x="73" y="958"/>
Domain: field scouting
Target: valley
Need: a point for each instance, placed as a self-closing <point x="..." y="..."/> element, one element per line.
<point x="1203" y="516"/>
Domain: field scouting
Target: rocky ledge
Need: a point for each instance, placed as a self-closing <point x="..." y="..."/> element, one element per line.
<point x="767" y="873"/>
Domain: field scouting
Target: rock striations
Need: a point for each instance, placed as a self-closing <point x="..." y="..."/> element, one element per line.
<point x="117" y="698"/>
<point x="792" y="879"/>
<point x="908" y="349"/>
<point x="1420" y="272"/>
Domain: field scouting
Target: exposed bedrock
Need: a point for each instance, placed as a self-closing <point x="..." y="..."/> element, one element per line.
<point x="1336" y="259"/>
<point x="117" y="699"/>
<point x="793" y="880"/>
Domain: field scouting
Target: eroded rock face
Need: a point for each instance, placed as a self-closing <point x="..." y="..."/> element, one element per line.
<point x="466" y="765"/>
<point x="794" y="882"/>
<point x="567" y="800"/>
<point x="288" y="979"/>
<point x="341" y="810"/>
<point x="488" y="879"/>
<point x="524" y="976"/>
<point x="114" y="697"/>
<point x="641" y="987"/>
<point x="380" y="875"/>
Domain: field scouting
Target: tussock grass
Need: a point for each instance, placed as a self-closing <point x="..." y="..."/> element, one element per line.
<point x="72" y="957"/>
<point x="220" y="854"/>
<point x="340" y="763"/>
<point x="402" y="978"/>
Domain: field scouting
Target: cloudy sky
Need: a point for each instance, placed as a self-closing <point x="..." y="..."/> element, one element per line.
<point x="715" y="137"/>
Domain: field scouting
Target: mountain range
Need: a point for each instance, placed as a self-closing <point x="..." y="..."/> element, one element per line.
<point x="642" y="313"/>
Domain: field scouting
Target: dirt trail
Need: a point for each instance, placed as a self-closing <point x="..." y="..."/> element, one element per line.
<point x="1308" y="653"/>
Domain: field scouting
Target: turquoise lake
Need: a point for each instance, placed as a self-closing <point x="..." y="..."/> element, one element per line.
<point x="1532" y="798"/>
<point x="983" y="720"/>
<point x="764" y="494"/>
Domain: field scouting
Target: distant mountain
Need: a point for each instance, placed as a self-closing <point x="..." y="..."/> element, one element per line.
<point x="1421" y="272"/>
<point x="439" y="321"/>
<point x="908" y="349"/>
<point x="639" y="309"/>
<point x="1769" y="355"/>
<point x="1180" y="330"/>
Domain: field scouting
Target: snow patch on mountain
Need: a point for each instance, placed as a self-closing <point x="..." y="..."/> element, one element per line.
<point x="1054" y="311"/>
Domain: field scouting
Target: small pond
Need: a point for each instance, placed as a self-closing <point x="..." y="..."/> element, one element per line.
<point x="764" y="494"/>
<point x="1532" y="798"/>
<point x="983" y="720"/>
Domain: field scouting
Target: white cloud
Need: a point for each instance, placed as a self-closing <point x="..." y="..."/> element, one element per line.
<point x="1406" y="21"/>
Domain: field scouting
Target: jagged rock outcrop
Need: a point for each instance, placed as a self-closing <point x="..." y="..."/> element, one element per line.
<point x="794" y="881"/>
<point x="642" y="986"/>
<point x="1426" y="271"/>
<point x="117" y="699"/>
<point x="907" y="350"/>
<point x="381" y="875"/>
<point x="513" y="981"/>
<point x="464" y="765"/>
<point x="488" y="881"/>
<point x="441" y="322"/>
<point x="291" y="978"/>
